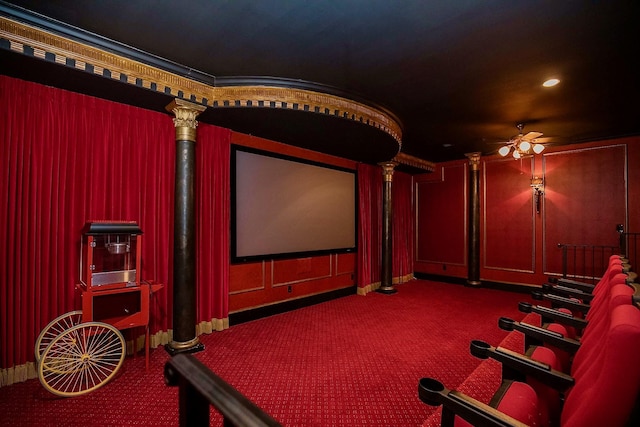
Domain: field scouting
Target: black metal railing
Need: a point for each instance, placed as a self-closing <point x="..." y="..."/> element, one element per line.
<point x="629" y="247"/>
<point x="199" y="388"/>
<point x="586" y="262"/>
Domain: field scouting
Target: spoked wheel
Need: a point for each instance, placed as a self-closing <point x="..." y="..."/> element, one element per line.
<point x="81" y="359"/>
<point x="55" y="328"/>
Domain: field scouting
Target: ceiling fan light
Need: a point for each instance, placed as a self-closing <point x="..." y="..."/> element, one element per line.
<point x="538" y="148"/>
<point x="503" y="151"/>
<point x="525" y="146"/>
<point x="516" y="154"/>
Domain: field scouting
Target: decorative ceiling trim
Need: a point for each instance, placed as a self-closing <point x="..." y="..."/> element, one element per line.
<point x="416" y="162"/>
<point x="37" y="43"/>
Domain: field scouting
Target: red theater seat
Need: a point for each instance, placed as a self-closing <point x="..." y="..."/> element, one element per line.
<point x="602" y="392"/>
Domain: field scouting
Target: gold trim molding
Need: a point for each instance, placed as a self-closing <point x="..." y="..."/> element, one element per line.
<point x="416" y="162"/>
<point x="474" y="160"/>
<point x="387" y="170"/>
<point x="31" y="41"/>
<point x="185" y="118"/>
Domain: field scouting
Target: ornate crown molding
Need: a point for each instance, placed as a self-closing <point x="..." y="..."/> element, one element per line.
<point x="474" y="160"/>
<point x="35" y="42"/>
<point x="416" y="162"/>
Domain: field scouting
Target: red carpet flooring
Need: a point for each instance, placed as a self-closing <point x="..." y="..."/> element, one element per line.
<point x="355" y="361"/>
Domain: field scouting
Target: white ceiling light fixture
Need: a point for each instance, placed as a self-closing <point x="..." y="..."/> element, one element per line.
<point x="522" y="145"/>
<point x="550" y="82"/>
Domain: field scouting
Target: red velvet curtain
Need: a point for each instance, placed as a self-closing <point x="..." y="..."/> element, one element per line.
<point x="403" y="225"/>
<point x="68" y="159"/>
<point x="369" y="224"/>
<point x="212" y="228"/>
<point x="370" y="183"/>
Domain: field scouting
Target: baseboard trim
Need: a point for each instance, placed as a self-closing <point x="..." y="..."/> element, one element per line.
<point x="502" y="286"/>
<point x="282" y="307"/>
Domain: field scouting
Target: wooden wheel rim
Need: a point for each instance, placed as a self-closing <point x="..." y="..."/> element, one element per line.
<point x="81" y="359"/>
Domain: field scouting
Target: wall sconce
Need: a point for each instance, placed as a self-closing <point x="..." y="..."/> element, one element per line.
<point x="537" y="184"/>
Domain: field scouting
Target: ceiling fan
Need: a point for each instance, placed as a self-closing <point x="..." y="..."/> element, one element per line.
<point x="522" y="145"/>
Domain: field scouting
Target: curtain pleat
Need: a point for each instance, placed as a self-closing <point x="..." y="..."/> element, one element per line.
<point x="370" y="184"/>
<point x="69" y="158"/>
<point x="213" y="206"/>
<point x="369" y="227"/>
<point x="403" y="226"/>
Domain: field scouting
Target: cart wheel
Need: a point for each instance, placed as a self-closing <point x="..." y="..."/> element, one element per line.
<point x="81" y="359"/>
<point x="55" y="328"/>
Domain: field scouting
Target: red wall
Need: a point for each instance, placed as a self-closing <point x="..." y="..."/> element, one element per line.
<point x="257" y="284"/>
<point x="441" y="220"/>
<point x="589" y="188"/>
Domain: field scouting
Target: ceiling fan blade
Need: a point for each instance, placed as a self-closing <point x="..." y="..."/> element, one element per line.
<point x="544" y="140"/>
<point x="532" y="135"/>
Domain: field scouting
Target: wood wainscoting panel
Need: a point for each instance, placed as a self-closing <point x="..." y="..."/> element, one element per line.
<point x="508" y="215"/>
<point x="345" y="264"/>
<point x="441" y="216"/>
<point x="292" y="271"/>
<point x="585" y="196"/>
<point x="247" y="277"/>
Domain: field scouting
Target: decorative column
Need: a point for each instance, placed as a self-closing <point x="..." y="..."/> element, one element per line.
<point x="386" y="277"/>
<point x="474" y="219"/>
<point x="184" y="244"/>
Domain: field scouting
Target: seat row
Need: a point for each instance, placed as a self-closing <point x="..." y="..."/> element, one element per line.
<point x="580" y="366"/>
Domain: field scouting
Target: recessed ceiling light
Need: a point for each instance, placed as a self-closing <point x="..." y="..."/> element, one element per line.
<point x="551" y="82"/>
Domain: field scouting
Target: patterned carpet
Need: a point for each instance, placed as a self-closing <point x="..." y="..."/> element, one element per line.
<point x="355" y="361"/>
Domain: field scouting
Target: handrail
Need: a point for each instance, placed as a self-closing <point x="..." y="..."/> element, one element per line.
<point x="199" y="388"/>
<point x="629" y="247"/>
<point x="585" y="261"/>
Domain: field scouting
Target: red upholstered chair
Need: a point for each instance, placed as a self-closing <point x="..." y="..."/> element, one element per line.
<point x="574" y="299"/>
<point x="557" y="336"/>
<point x="614" y="260"/>
<point x="575" y="325"/>
<point x="605" y="388"/>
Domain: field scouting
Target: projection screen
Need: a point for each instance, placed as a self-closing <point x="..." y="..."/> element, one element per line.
<point x="285" y="207"/>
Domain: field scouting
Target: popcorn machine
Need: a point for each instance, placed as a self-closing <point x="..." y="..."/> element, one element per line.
<point x="109" y="255"/>
<point x="110" y="276"/>
<point x="81" y="350"/>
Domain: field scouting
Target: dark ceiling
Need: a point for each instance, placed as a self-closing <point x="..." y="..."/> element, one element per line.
<point x="458" y="74"/>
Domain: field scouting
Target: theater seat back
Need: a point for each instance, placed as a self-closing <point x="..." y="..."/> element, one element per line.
<point x="605" y="394"/>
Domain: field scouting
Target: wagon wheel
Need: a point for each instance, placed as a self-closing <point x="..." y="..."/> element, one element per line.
<point x="81" y="359"/>
<point x="55" y="328"/>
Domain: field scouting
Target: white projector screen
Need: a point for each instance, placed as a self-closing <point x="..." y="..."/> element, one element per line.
<point x="283" y="207"/>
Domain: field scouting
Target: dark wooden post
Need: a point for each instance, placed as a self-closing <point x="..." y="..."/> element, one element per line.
<point x="184" y="241"/>
<point x="386" y="279"/>
<point x="474" y="220"/>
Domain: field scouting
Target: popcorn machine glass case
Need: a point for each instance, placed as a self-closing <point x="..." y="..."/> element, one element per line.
<point x="110" y="255"/>
<point x="110" y="281"/>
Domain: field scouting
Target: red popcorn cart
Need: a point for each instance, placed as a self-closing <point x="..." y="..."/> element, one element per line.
<point x="82" y="350"/>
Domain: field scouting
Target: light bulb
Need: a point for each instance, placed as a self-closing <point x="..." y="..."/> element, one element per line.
<point x="525" y="146"/>
<point x="538" y="148"/>
<point x="503" y="151"/>
<point x="516" y="154"/>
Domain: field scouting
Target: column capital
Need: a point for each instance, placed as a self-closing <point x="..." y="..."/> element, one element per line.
<point x="474" y="160"/>
<point x="387" y="170"/>
<point x="185" y="113"/>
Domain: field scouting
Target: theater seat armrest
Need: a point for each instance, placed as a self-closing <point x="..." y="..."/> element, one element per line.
<point x="568" y="292"/>
<point x="540" y="335"/>
<point x="434" y="393"/>
<point x="584" y="287"/>
<point x="558" y="301"/>
<point x="517" y="366"/>
<point x="552" y="315"/>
